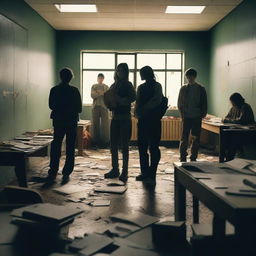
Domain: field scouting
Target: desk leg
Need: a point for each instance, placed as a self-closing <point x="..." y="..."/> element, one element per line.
<point x="80" y="143"/>
<point x="195" y="210"/>
<point x="20" y="171"/>
<point x="222" y="146"/>
<point x="218" y="227"/>
<point x="179" y="200"/>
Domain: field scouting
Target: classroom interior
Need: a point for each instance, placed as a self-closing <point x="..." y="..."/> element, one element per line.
<point x="37" y="40"/>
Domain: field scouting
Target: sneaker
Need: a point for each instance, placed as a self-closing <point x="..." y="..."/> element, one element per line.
<point x="114" y="173"/>
<point x="49" y="181"/>
<point x="141" y="177"/>
<point x="65" y="179"/>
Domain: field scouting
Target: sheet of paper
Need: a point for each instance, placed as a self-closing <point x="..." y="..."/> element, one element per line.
<point x="139" y="219"/>
<point x="90" y="244"/>
<point x="92" y="174"/>
<point x="100" y="157"/>
<point x="111" y="189"/>
<point x="238" y="163"/>
<point x="116" y="183"/>
<point x="69" y="189"/>
<point x="100" y="167"/>
<point x="125" y="242"/>
<point x="100" y="203"/>
<point x="45" y="212"/>
<point x="169" y="170"/>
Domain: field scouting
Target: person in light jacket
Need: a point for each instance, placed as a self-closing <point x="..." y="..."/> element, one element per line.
<point x="100" y="113"/>
<point x="192" y="104"/>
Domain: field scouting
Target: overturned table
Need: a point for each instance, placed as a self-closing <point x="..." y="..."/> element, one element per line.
<point x="19" y="159"/>
<point x="210" y="189"/>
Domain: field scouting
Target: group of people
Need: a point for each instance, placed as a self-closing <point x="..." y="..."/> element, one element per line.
<point x="150" y="106"/>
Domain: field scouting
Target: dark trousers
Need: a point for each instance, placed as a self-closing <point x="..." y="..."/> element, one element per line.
<point x="120" y="134"/>
<point x="192" y="125"/>
<point x="149" y="135"/>
<point x="100" y="125"/>
<point x="59" y="132"/>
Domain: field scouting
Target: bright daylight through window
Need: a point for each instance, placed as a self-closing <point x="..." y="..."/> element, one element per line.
<point x="168" y="69"/>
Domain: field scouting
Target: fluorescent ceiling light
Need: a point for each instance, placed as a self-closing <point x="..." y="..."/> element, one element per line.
<point x="76" y="7"/>
<point x="184" y="9"/>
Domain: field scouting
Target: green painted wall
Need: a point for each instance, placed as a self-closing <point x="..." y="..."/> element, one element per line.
<point x="194" y="44"/>
<point x="233" y="58"/>
<point x="41" y="68"/>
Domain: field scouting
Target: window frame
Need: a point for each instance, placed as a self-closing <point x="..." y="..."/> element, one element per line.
<point x="135" y="70"/>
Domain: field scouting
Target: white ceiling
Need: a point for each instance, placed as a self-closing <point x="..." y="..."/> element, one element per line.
<point x="134" y="15"/>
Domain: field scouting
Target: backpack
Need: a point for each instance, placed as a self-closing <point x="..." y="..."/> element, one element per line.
<point x="163" y="106"/>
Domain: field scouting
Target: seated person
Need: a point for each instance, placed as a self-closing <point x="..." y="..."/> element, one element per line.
<point x="241" y="112"/>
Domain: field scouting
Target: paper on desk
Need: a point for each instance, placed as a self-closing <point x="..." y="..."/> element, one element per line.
<point x="22" y="146"/>
<point x="238" y="163"/>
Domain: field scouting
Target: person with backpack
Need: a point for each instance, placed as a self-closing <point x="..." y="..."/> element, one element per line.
<point x="118" y="99"/>
<point x="149" y="109"/>
<point x="192" y="104"/>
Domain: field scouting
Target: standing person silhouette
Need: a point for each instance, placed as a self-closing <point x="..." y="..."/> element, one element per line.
<point x="192" y="104"/>
<point x="65" y="103"/>
<point x="148" y="112"/>
<point x="118" y="99"/>
<point x="100" y="113"/>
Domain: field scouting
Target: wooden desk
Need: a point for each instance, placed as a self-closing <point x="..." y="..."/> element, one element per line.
<point x="211" y="127"/>
<point x="238" y="210"/>
<point x="18" y="159"/>
<point x="224" y="130"/>
<point x="81" y="126"/>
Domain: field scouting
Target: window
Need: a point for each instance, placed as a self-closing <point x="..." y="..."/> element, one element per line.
<point x="168" y="68"/>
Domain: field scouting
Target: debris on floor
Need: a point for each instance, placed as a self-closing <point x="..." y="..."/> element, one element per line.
<point x="100" y="198"/>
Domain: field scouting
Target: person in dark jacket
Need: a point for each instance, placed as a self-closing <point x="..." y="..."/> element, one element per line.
<point x="192" y="104"/>
<point x="240" y="113"/>
<point x="65" y="103"/>
<point x="149" y="97"/>
<point x="118" y="99"/>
